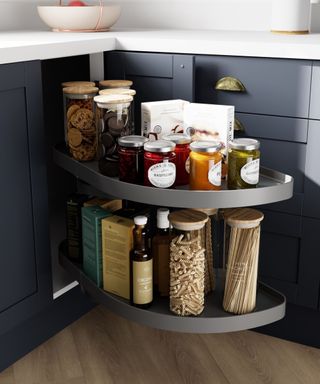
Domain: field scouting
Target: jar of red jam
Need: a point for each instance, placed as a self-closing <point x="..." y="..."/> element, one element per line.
<point x="159" y="164"/>
<point x="182" y="152"/>
<point x="131" y="158"/>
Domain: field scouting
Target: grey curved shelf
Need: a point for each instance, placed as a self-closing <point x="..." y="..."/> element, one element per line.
<point x="273" y="186"/>
<point x="270" y="307"/>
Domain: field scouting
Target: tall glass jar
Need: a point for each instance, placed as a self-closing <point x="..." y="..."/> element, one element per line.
<point x="113" y="121"/>
<point x="123" y="91"/>
<point x="159" y="164"/>
<point x="187" y="263"/>
<point x="79" y="122"/>
<point x="131" y="158"/>
<point x="182" y="152"/>
<point x="242" y="240"/>
<point x="205" y="165"/>
<point x="243" y="163"/>
<point x="106" y="84"/>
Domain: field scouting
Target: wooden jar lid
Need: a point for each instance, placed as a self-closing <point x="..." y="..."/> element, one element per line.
<point x="208" y="211"/>
<point x="78" y="84"/>
<point x="188" y="219"/>
<point x="115" y="83"/>
<point x="244" y="218"/>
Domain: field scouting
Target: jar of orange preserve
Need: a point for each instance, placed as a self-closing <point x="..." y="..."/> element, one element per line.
<point x="205" y="165"/>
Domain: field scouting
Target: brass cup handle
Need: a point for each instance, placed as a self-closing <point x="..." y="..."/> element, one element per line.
<point x="238" y="126"/>
<point x="229" y="83"/>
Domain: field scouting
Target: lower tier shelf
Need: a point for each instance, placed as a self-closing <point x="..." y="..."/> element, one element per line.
<point x="270" y="307"/>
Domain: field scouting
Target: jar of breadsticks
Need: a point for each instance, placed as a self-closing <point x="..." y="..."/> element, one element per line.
<point x="187" y="263"/>
<point x="79" y="121"/>
<point x="242" y="240"/>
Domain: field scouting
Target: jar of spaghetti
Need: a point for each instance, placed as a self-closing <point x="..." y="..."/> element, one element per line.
<point x="113" y="121"/>
<point x="182" y="152"/>
<point x="205" y="165"/>
<point x="243" y="163"/>
<point x="79" y="122"/>
<point x="123" y="91"/>
<point x="159" y="164"/>
<point x="105" y="84"/>
<point x="131" y="158"/>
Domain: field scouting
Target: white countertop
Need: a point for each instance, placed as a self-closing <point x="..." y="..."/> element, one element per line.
<point x="31" y="45"/>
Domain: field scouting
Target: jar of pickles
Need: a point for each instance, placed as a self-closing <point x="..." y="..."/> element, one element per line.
<point x="159" y="164"/>
<point x="205" y="165"/>
<point x="131" y="158"/>
<point x="182" y="152"/>
<point x="243" y="163"/>
<point x="113" y="121"/>
<point x="105" y="84"/>
<point x="79" y="122"/>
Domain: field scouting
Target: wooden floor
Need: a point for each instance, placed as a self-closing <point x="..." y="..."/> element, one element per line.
<point x="102" y="348"/>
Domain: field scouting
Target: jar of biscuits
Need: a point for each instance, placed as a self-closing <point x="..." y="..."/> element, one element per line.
<point x="113" y="121"/>
<point x="80" y="127"/>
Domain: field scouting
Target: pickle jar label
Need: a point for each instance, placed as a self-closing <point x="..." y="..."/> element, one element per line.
<point x="250" y="172"/>
<point x="142" y="282"/>
<point x="162" y="175"/>
<point x="214" y="174"/>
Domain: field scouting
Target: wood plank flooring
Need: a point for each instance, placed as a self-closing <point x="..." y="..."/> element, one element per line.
<point x="101" y="348"/>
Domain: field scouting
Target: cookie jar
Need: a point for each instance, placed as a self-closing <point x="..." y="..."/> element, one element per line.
<point x="79" y="121"/>
<point x="113" y="121"/>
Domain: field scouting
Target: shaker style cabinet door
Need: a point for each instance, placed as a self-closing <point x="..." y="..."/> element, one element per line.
<point x="155" y="76"/>
<point x="25" y="282"/>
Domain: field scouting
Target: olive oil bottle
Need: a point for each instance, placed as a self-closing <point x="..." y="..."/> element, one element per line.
<point x="141" y="266"/>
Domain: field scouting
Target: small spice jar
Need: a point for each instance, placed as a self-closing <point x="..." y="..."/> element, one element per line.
<point x="242" y="239"/>
<point x="113" y="121"/>
<point x="187" y="263"/>
<point x="123" y="91"/>
<point x="131" y="158"/>
<point x="205" y="165"/>
<point x="243" y="163"/>
<point x="182" y="152"/>
<point x="79" y="122"/>
<point x="159" y="164"/>
<point x="105" y="84"/>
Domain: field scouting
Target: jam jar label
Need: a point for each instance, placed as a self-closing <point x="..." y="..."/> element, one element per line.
<point x="214" y="174"/>
<point x="162" y="175"/>
<point x="250" y="172"/>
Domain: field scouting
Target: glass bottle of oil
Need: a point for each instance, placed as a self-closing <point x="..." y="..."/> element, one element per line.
<point x="141" y="266"/>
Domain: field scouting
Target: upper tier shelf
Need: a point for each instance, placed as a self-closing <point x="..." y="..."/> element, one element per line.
<point x="273" y="186"/>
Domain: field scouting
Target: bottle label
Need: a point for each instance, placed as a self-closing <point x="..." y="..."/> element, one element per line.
<point x="187" y="165"/>
<point x="162" y="175"/>
<point x="142" y="282"/>
<point x="214" y="174"/>
<point x="250" y="172"/>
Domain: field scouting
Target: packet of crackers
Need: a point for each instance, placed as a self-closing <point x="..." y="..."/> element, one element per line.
<point x="80" y="126"/>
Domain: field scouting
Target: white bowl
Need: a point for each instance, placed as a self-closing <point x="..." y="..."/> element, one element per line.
<point x="86" y="18"/>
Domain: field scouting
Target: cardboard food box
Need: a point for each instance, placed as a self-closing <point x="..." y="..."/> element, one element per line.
<point x="117" y="242"/>
<point x="159" y="118"/>
<point x="210" y="122"/>
<point x="91" y="242"/>
<point x="107" y="204"/>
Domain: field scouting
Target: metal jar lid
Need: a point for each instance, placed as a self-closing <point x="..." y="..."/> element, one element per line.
<point x="132" y="141"/>
<point x="80" y="90"/>
<point x="178" y="138"/>
<point x="66" y="84"/>
<point x="245" y="144"/>
<point x="115" y="98"/>
<point x="205" y="146"/>
<point x="118" y="91"/>
<point x="159" y="146"/>
<point x="115" y="83"/>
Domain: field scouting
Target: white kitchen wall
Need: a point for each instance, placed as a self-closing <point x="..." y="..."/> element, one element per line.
<point x="175" y="14"/>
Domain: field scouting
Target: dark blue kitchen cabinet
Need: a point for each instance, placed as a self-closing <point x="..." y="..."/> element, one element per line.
<point x="25" y="274"/>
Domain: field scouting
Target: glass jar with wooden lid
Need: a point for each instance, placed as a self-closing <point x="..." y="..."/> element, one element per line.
<point x="187" y="263"/>
<point x="104" y="84"/>
<point x="205" y="165"/>
<point x="79" y="122"/>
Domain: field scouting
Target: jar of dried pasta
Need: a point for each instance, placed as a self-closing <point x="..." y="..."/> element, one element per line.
<point x="187" y="263"/>
<point x="79" y="122"/>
